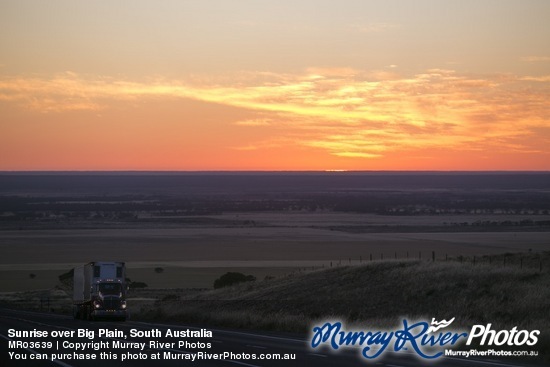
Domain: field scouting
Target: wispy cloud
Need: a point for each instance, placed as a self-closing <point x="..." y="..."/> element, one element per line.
<point x="254" y="122"/>
<point x="536" y="58"/>
<point x="542" y="78"/>
<point x="345" y="112"/>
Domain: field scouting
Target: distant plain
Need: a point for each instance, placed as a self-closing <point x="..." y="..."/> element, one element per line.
<point x="198" y="226"/>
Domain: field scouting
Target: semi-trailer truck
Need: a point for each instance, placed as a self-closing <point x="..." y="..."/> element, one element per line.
<point x="99" y="290"/>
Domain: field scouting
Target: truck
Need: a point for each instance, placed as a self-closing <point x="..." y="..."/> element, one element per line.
<point x="99" y="291"/>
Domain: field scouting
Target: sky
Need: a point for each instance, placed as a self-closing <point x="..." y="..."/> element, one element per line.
<point x="275" y="85"/>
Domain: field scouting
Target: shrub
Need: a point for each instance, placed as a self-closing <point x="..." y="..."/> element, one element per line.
<point x="231" y="278"/>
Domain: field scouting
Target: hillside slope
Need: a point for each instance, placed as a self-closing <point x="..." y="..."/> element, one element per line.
<point x="379" y="293"/>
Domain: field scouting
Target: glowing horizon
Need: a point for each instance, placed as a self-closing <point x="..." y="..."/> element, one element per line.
<point x="438" y="108"/>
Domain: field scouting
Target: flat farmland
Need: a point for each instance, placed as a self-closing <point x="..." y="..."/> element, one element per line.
<point x="268" y="223"/>
<point x="193" y="257"/>
<point x="268" y="243"/>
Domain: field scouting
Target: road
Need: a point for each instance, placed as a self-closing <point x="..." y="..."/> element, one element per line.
<point x="241" y="343"/>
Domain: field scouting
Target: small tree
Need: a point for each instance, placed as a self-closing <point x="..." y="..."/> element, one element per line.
<point x="231" y="278"/>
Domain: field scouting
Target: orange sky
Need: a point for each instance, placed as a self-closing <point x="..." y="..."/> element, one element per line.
<point x="386" y="85"/>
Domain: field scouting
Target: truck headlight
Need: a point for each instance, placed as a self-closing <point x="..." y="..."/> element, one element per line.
<point x="97" y="304"/>
<point x="123" y="305"/>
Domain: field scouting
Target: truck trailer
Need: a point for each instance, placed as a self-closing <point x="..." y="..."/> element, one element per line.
<point x="99" y="291"/>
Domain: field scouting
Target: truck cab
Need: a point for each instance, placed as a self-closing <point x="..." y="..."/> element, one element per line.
<point x="109" y="299"/>
<point x="100" y="291"/>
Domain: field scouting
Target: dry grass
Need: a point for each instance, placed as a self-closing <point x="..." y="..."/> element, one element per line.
<point x="377" y="294"/>
<point x="49" y="300"/>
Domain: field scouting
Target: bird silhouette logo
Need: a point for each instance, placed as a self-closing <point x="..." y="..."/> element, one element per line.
<point x="439" y="325"/>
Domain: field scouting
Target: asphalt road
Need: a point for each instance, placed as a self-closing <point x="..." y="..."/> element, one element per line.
<point x="240" y="343"/>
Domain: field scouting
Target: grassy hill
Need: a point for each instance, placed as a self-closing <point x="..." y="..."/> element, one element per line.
<point x="377" y="294"/>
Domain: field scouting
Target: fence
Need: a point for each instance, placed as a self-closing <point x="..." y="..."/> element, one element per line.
<point x="529" y="261"/>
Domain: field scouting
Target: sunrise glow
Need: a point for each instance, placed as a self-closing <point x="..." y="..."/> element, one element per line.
<point x="353" y="85"/>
